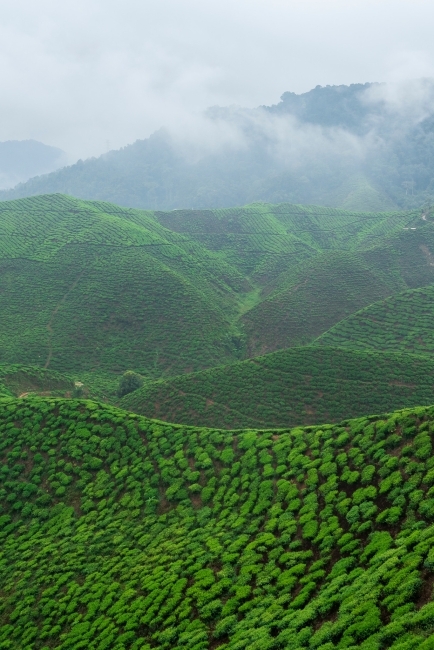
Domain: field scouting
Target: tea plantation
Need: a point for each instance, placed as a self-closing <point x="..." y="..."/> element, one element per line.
<point x="403" y="322"/>
<point x="126" y="533"/>
<point x="17" y="380"/>
<point x="290" y="387"/>
<point x="89" y="287"/>
<point x="81" y="289"/>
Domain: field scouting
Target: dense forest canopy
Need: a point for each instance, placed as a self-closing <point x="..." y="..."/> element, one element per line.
<point x="363" y="147"/>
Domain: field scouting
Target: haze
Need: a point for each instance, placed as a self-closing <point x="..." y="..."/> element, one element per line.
<point x="87" y="76"/>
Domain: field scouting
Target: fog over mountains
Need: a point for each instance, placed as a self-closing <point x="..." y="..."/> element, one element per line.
<point x="363" y="146"/>
<point x="22" y="159"/>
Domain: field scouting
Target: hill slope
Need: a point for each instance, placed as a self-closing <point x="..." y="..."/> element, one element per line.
<point x="401" y="323"/>
<point x="82" y="289"/>
<point x="120" y="532"/>
<point x="291" y="387"/>
<point x="92" y="287"/>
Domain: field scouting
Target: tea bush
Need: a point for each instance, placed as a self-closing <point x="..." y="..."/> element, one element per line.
<point x="127" y="533"/>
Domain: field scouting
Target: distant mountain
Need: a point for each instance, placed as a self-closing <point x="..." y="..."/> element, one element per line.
<point x="361" y="147"/>
<point x="23" y="159"/>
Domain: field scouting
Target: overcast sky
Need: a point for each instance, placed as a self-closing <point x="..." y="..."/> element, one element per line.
<point x="86" y="74"/>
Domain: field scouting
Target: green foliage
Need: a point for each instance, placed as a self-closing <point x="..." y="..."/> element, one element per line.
<point x="296" y="386"/>
<point x="127" y="533"/>
<point x="401" y="323"/>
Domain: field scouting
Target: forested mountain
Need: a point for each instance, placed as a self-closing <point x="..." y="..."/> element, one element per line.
<point x="360" y="147"/>
<point x="119" y="532"/>
<point x="23" y="159"/>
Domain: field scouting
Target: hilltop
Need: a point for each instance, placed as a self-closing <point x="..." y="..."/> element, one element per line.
<point x="123" y="532"/>
<point x="342" y="146"/>
<point x="298" y="386"/>
<point x="83" y="288"/>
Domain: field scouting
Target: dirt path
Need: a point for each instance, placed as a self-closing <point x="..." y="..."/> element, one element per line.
<point x="50" y="322"/>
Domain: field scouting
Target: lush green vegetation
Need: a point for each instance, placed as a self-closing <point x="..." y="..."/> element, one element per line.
<point x="82" y="289"/>
<point x="403" y="322"/>
<point x="17" y="380"/>
<point x="93" y="290"/>
<point x="317" y="295"/>
<point x="125" y="533"/>
<point x="291" y="387"/>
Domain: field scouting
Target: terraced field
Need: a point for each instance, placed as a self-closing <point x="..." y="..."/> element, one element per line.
<point x="402" y="323"/>
<point x="92" y="289"/>
<point x="317" y="294"/>
<point x="125" y="533"/>
<point x="291" y="387"/>
<point x="17" y="381"/>
<point x="84" y="290"/>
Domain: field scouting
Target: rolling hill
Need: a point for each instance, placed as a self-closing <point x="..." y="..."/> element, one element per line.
<point x="298" y="386"/>
<point x="401" y="323"/>
<point x="122" y="532"/>
<point x="90" y="288"/>
<point x="82" y="289"/>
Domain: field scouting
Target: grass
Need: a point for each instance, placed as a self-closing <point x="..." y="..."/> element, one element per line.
<point x="126" y="533"/>
<point x="298" y="386"/>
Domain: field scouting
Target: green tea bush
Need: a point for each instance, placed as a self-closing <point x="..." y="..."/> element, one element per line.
<point x="160" y="545"/>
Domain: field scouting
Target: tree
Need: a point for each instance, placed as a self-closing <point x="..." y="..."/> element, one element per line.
<point x="129" y="381"/>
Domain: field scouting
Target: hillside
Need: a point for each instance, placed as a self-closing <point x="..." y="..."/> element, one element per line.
<point x="342" y="146"/>
<point x="92" y="289"/>
<point x="316" y="295"/>
<point x="122" y="532"/>
<point x="310" y="298"/>
<point x="401" y="323"/>
<point x="18" y="380"/>
<point x="298" y="386"/>
<point x="82" y="289"/>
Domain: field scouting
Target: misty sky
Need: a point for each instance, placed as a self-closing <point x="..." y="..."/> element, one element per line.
<point x="86" y="74"/>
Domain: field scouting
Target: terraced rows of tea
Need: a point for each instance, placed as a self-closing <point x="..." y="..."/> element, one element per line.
<point x="122" y="532"/>
<point x="84" y="290"/>
<point x="401" y="323"/>
<point x="291" y="387"/>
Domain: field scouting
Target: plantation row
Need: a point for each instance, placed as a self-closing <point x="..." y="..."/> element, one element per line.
<point x="401" y="323"/>
<point x="17" y="379"/>
<point x="110" y="310"/>
<point x="290" y="387"/>
<point x="119" y="532"/>
<point x="316" y="295"/>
